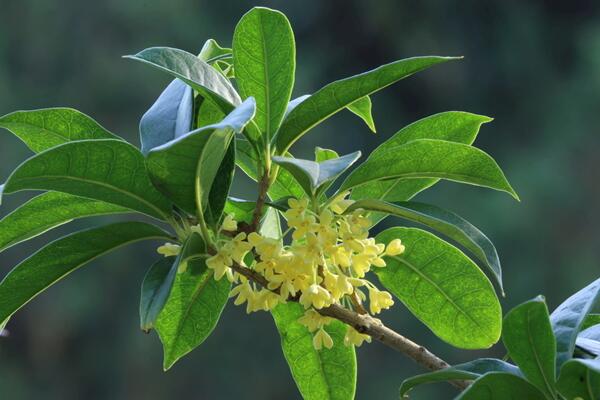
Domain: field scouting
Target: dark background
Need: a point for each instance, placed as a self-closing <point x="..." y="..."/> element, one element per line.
<point x="533" y="65"/>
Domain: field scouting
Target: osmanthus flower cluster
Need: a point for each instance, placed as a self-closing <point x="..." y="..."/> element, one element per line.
<point x="325" y="263"/>
<point x="230" y="111"/>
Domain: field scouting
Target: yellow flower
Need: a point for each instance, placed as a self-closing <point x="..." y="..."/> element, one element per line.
<point x="355" y="338"/>
<point x="379" y="300"/>
<point x="316" y="296"/>
<point x="220" y="263"/>
<point x="169" y="249"/>
<point x="338" y="285"/>
<point x="267" y="248"/>
<point x="243" y="291"/>
<point x="321" y="339"/>
<point x="238" y="247"/>
<point x="313" y="320"/>
<point x="301" y="226"/>
<point x="395" y="248"/>
<point x="297" y="208"/>
<point x="229" y="224"/>
<point x="325" y="232"/>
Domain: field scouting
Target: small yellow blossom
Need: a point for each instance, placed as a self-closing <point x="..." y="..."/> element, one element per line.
<point x="379" y="300"/>
<point x="238" y="247"/>
<point x="229" y="224"/>
<point x="297" y="208"/>
<point x="316" y="296"/>
<point x="394" y="248"/>
<point x="220" y="263"/>
<point x="354" y="338"/>
<point x="313" y="320"/>
<point x="169" y="249"/>
<point x="267" y="248"/>
<point x="322" y="339"/>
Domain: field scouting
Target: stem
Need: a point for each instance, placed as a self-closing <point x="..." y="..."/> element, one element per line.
<point x="368" y="325"/>
<point x="263" y="188"/>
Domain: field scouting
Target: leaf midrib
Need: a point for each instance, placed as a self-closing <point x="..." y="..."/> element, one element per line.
<point x="537" y="358"/>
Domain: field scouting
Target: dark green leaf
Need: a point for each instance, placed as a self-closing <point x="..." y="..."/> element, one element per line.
<point x="48" y="211"/>
<point x="311" y="175"/>
<point x="169" y="117"/>
<point x="340" y="94"/>
<point x="46" y="128"/>
<point x="191" y="312"/>
<point x="444" y="222"/>
<point x="467" y="371"/>
<point x="528" y="337"/>
<point x="362" y="108"/>
<point x="219" y="190"/>
<point x="174" y="166"/>
<point x="501" y="386"/>
<point x="108" y="170"/>
<point x="427" y="158"/>
<point x="580" y="379"/>
<point x="199" y="75"/>
<point x="590" y="320"/>
<point x="453" y="126"/>
<point x="264" y="54"/>
<point x="443" y="288"/>
<point x="242" y="210"/>
<point x="63" y="256"/>
<point x="326" y="374"/>
<point x="153" y="295"/>
<point x="568" y="318"/>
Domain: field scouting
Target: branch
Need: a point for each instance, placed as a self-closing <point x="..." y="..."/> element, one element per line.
<point x="368" y="325"/>
<point x="263" y="187"/>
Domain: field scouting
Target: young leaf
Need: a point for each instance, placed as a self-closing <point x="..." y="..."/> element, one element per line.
<point x="49" y="127"/>
<point x="568" y="318"/>
<point x="312" y="175"/>
<point x="159" y="280"/>
<point x="48" y="211"/>
<point x="580" y="379"/>
<point x="63" y="256"/>
<point x="191" y="312"/>
<point x="212" y="52"/>
<point x="108" y="170"/>
<point x="325" y="374"/>
<point x="501" y="386"/>
<point x="468" y="371"/>
<point x="340" y="94"/>
<point x="199" y="75"/>
<point x="528" y="337"/>
<point x="427" y="158"/>
<point x="453" y="126"/>
<point x="362" y="108"/>
<point x="325" y="154"/>
<point x="284" y="186"/>
<point x="242" y="210"/>
<point x="264" y="54"/>
<point x="443" y="288"/>
<point x="174" y="166"/>
<point x="444" y="222"/>
<point x="169" y="117"/>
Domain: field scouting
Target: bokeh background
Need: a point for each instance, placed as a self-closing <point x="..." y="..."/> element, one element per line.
<point x="533" y="65"/>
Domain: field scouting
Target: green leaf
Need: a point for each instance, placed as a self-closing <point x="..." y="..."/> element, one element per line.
<point x="63" y="256"/>
<point x="212" y="52"/>
<point x="427" y="158"/>
<point x="590" y="320"/>
<point x="108" y="170"/>
<point x="528" y="337"/>
<point x="568" y="318"/>
<point x="199" y="75"/>
<point x="453" y="126"/>
<point x="340" y="94"/>
<point x="49" y="127"/>
<point x="501" y="386"/>
<point x="312" y="175"/>
<point x="443" y="288"/>
<point x="284" y="186"/>
<point x="48" y="211"/>
<point x="325" y="154"/>
<point x="3" y="331"/>
<point x="264" y="54"/>
<point x="219" y="191"/>
<point x="589" y="346"/>
<point x="444" y="222"/>
<point x="191" y="312"/>
<point x="467" y="371"/>
<point x="169" y="117"/>
<point x="175" y="165"/>
<point x="362" y="108"/>
<point x="208" y="113"/>
<point x="580" y="379"/>
<point x="155" y="291"/>
<point x="159" y="280"/>
<point x="271" y="224"/>
<point x="328" y="374"/>
<point x="242" y="210"/>
<point x="593" y="332"/>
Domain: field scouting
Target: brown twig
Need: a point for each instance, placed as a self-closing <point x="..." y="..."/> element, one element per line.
<point x="263" y="187"/>
<point x="370" y="326"/>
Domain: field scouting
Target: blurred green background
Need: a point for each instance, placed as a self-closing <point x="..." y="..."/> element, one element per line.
<point x="532" y="65"/>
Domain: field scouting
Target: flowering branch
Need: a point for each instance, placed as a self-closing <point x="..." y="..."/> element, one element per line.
<point x="365" y="324"/>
